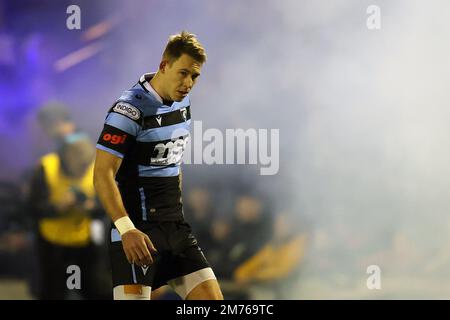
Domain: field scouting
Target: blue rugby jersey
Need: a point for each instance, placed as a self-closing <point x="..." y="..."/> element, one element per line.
<point x="150" y="137"/>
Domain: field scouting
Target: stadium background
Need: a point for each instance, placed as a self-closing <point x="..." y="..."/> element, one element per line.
<point x="363" y="119"/>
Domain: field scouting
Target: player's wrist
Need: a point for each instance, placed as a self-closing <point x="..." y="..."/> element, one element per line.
<point x="124" y="225"/>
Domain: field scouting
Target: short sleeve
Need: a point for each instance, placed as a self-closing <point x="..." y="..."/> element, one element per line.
<point x="120" y="130"/>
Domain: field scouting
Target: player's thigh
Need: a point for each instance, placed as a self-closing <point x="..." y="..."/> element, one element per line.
<point x="206" y="290"/>
<point x="198" y="284"/>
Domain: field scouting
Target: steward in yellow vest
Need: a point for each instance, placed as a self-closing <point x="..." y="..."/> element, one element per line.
<point x="71" y="226"/>
<point x="63" y="203"/>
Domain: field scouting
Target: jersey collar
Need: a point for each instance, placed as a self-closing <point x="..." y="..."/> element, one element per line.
<point x="145" y="82"/>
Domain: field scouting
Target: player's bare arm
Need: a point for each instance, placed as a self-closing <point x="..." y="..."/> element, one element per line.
<point x="136" y="244"/>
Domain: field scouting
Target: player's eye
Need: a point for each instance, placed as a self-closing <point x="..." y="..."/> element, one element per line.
<point x="183" y="73"/>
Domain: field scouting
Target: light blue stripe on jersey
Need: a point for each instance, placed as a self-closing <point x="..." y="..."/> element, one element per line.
<point x="158" y="171"/>
<point x="114" y="152"/>
<point x="115" y="235"/>
<point x="123" y="123"/>
<point x="178" y="106"/>
<point x="165" y="133"/>
<point x="134" y="273"/>
<point x="143" y="208"/>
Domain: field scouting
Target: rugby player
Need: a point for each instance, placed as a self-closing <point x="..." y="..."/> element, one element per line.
<point x="138" y="179"/>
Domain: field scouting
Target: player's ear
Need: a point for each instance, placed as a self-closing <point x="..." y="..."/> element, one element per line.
<point x="163" y="65"/>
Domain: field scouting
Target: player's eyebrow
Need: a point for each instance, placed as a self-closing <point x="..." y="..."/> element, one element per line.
<point x="194" y="74"/>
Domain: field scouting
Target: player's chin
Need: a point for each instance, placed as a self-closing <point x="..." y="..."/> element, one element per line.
<point x="179" y="96"/>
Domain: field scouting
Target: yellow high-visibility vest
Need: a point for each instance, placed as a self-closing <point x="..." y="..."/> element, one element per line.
<point x="70" y="228"/>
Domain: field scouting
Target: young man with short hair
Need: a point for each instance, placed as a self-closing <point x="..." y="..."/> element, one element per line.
<point x="137" y="177"/>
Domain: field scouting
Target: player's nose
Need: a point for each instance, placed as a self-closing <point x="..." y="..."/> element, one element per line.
<point x="188" y="83"/>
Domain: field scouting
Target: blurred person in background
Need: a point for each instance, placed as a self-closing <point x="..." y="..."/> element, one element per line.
<point x="273" y="268"/>
<point x="237" y="238"/>
<point x="251" y="226"/>
<point x="55" y="121"/>
<point x="63" y="203"/>
<point x="199" y="212"/>
<point x="17" y="257"/>
<point x="218" y="247"/>
<point x="221" y="256"/>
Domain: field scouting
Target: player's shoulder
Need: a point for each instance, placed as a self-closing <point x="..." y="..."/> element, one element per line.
<point x="135" y="104"/>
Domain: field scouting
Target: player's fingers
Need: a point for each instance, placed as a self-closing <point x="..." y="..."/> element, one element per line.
<point x="134" y="257"/>
<point x="140" y="256"/>
<point x="128" y="255"/>
<point x="146" y="256"/>
<point x="150" y="245"/>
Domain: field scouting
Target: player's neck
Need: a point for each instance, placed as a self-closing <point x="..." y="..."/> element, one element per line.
<point x="156" y="84"/>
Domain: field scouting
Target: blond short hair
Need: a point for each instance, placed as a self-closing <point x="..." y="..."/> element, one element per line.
<point x="184" y="42"/>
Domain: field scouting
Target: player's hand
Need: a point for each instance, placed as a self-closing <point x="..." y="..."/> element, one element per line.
<point x="138" y="247"/>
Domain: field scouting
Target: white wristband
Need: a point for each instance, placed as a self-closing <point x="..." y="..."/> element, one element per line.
<point x="124" y="224"/>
